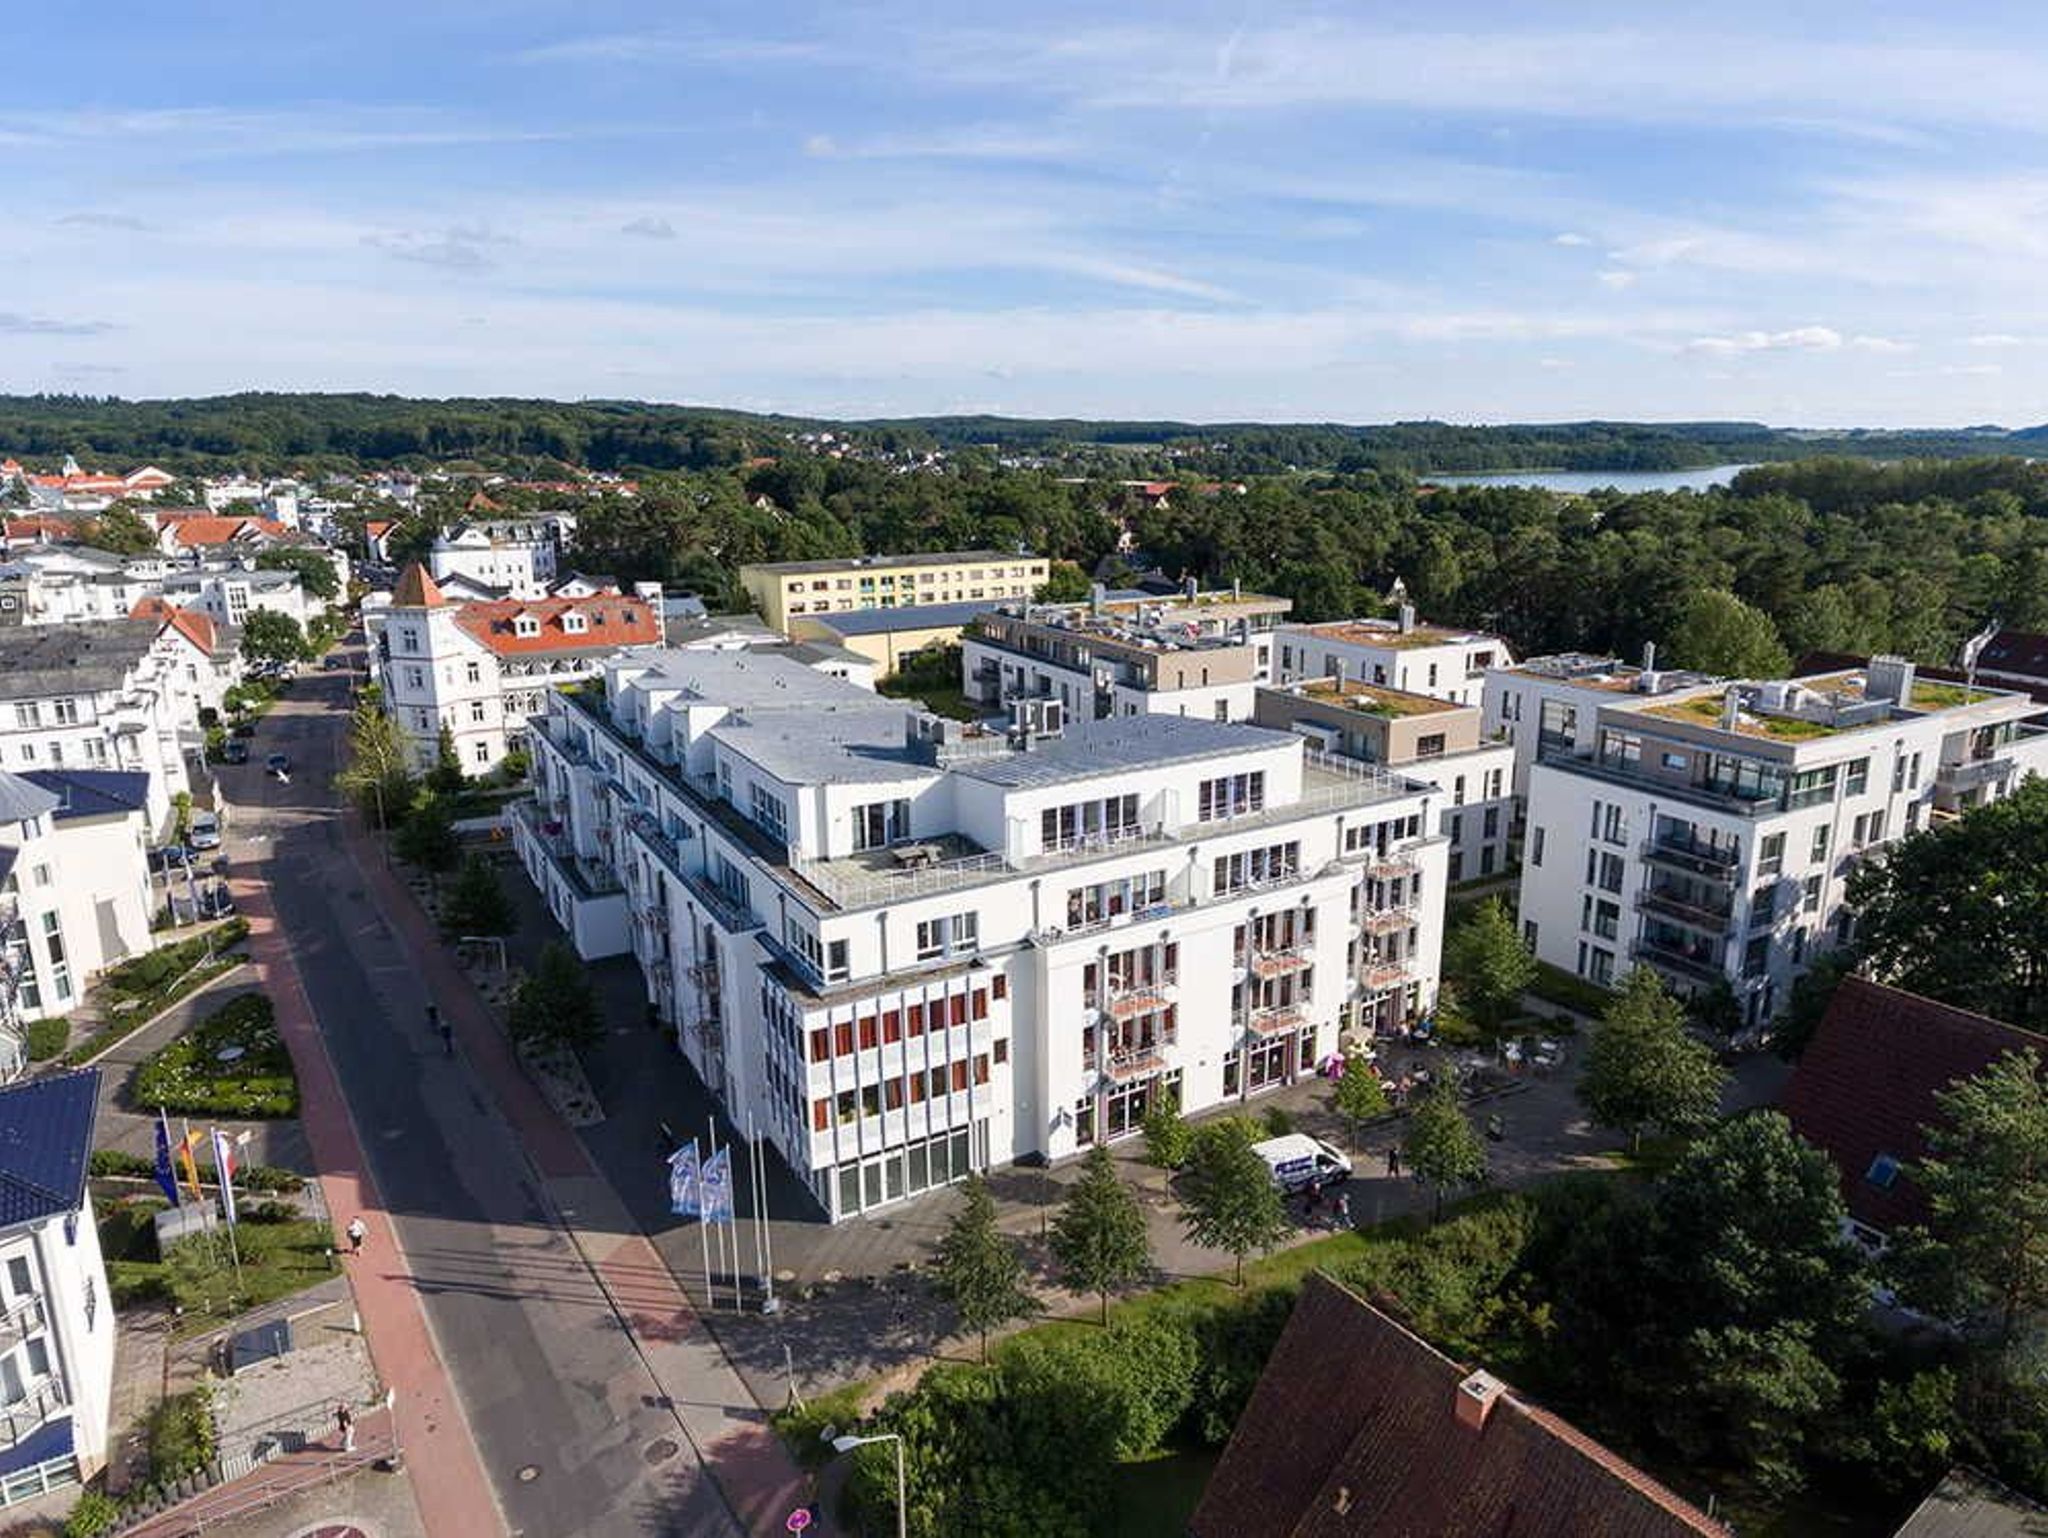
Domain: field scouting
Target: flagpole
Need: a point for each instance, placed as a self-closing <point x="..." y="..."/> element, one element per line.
<point x="703" y="1234"/>
<point x="163" y="1120"/>
<point x="223" y="1167"/>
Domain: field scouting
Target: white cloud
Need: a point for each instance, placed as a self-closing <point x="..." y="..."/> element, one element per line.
<point x="1617" y="278"/>
<point x="1879" y="344"/>
<point x="1997" y="339"/>
<point x="660" y="47"/>
<point x="647" y="227"/>
<point x="1798" y="339"/>
<point x="1571" y="238"/>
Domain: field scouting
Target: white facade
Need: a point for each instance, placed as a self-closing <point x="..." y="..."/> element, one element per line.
<point x="909" y="949"/>
<point x="229" y="592"/>
<point x="1399" y="653"/>
<point x="1555" y="702"/>
<point x="56" y="1319"/>
<point x="1712" y="832"/>
<point x="516" y="558"/>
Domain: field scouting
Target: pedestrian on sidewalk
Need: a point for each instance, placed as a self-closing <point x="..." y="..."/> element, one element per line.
<point x="1394" y="1163"/>
<point x="358" y="1231"/>
<point x="345" y="1422"/>
<point x="441" y="1028"/>
<point x="1343" y="1210"/>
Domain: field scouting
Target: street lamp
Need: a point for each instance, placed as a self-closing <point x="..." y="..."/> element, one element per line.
<point x="848" y="1443"/>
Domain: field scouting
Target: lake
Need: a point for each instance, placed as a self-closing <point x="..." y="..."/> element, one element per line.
<point x="1596" y="480"/>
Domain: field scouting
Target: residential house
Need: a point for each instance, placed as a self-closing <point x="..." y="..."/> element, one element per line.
<point x="201" y="659"/>
<point x="889" y="638"/>
<point x="1399" y="653"/>
<point x="1359" y="1427"/>
<point x="783" y="589"/>
<point x="908" y="948"/>
<point x="515" y="557"/>
<point x="56" y="1319"/>
<point x="1967" y="1504"/>
<point x="1554" y="703"/>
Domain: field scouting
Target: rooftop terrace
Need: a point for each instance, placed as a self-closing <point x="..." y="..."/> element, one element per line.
<point x="1373" y="699"/>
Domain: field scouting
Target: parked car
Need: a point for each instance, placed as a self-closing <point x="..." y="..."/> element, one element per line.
<point x="171" y="858"/>
<point x="277" y="763"/>
<point x="243" y="729"/>
<point x="236" y="751"/>
<point x="215" y="902"/>
<point x="1299" y="1161"/>
<point x="204" y="831"/>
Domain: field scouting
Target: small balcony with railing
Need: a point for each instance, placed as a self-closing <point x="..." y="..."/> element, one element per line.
<point x="1685" y="955"/>
<point x="1687" y="851"/>
<point x="1278" y="1019"/>
<point x="1699" y="904"/>
<point x="44" y="1402"/>
<point x="1379" y="971"/>
<point x="590" y="878"/>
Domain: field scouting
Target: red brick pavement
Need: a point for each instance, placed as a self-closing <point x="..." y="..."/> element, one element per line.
<point x="278" y="1480"/>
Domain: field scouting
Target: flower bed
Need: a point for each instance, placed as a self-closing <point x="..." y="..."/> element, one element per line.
<point x="232" y="1063"/>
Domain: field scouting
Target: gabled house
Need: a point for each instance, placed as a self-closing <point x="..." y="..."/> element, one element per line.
<point x="56" y="1320"/>
<point x="1358" y="1427"/>
<point x="1865" y="1088"/>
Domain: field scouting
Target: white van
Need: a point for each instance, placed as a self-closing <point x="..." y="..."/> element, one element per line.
<point x="203" y="831"/>
<point x="1299" y="1161"/>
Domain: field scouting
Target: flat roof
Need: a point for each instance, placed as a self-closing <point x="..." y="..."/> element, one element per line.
<point x="1386" y="632"/>
<point x="889" y="562"/>
<point x="1096" y="748"/>
<point x="824" y="747"/>
<point x="745" y="679"/>
<point x="916" y="616"/>
<point x="1370" y="699"/>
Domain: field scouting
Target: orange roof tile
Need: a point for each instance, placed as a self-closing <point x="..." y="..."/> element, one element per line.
<point x="189" y="623"/>
<point x="222" y="531"/>
<point x="611" y="621"/>
<point x="417" y="589"/>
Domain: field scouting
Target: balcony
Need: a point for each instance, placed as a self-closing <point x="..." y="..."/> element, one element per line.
<point x="1688" y="908"/>
<point x="1392" y="867"/>
<point x="1278" y="1019"/>
<point x="1727" y="800"/>
<point x="1696" y="962"/>
<point x="1717" y="862"/>
<point x="1376" y="975"/>
<point x="1126" y="1063"/>
<point x="1268" y="964"/>
<point x="1973" y="774"/>
<point x="23" y="1320"/>
<point x="1140" y="999"/>
<point x="44" y="1403"/>
<point x="1387" y="920"/>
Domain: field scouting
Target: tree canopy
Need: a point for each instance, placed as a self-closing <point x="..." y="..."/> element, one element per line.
<point x="1488" y="965"/>
<point x="979" y="1270"/>
<point x="1099" y="1239"/>
<point x="1643" y="1071"/>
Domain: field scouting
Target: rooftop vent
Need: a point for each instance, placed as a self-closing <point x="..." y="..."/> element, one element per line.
<point x="1476" y="1396"/>
<point x="1404" y="618"/>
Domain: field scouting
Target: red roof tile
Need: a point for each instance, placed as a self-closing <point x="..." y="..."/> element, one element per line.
<point x="417" y="589"/>
<point x="1354" y="1430"/>
<point x="611" y="621"/>
<point x="200" y="530"/>
<point x="1866" y="1085"/>
<point x="189" y="623"/>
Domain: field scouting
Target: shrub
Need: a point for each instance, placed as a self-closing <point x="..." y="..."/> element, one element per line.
<point x="268" y="1177"/>
<point x="1278" y="1121"/>
<point x="46" y="1039"/>
<point x="94" y="1514"/>
<point x="106" y="1162"/>
<point x="181" y="1436"/>
<point x="267" y="1212"/>
<point x="189" y="1075"/>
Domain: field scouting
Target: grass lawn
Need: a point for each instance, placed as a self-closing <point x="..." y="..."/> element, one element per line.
<point x="232" y="1063"/>
<point x="278" y="1259"/>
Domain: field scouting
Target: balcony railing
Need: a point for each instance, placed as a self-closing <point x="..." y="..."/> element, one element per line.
<point x="22" y="1321"/>
<point x="1387" y="920"/>
<point x="1716" y="918"/>
<point x="1265" y="964"/>
<point x="1129" y="1003"/>
<point x="1717" y="861"/>
<point x="44" y="1402"/>
<point x="1124" y="1063"/>
<point x="1278" y="1019"/>
<point x="1699" y="964"/>
<point x="1376" y="975"/>
<point x="1974" y="774"/>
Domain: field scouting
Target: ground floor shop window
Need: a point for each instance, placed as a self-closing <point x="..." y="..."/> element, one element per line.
<point x="1125" y="1108"/>
<point x="919" y="1166"/>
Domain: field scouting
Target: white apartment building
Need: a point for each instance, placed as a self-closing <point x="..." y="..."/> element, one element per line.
<point x="97" y="695"/>
<point x="515" y="558"/>
<point x="908" y="948"/>
<point x="74" y="890"/>
<point x="62" y="585"/>
<point x="228" y="592"/>
<point x="483" y="669"/>
<point x="1555" y="702"/>
<point x="56" y="1319"/>
<point x="1711" y="832"/>
<point x="1423" y="738"/>
<point x="1199" y="654"/>
<point x="1399" y="653"/>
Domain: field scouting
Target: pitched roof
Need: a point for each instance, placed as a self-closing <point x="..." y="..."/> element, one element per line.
<point x="2016" y="651"/>
<point x="417" y="589"/>
<point x="191" y="532"/>
<point x="189" y="623"/>
<point x="1355" y="1428"/>
<point x="610" y="621"/>
<point x="40" y="660"/>
<point x="93" y="792"/>
<point x="1968" y="1505"/>
<point x="21" y="799"/>
<point x="45" y="1140"/>
<point x="1866" y="1084"/>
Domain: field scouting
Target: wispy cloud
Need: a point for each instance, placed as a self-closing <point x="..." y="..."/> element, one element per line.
<point x="13" y="323"/>
<point x="971" y="143"/>
<point x="1798" y="339"/>
<point x="647" y="227"/>
<point x="460" y="248"/>
<point x="91" y="219"/>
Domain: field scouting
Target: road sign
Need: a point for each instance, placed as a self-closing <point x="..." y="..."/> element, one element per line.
<point x="798" y="1520"/>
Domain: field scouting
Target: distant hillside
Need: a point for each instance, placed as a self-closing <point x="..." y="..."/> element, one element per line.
<point x="276" y="431"/>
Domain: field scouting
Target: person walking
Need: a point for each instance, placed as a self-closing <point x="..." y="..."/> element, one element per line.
<point x="345" y="1422"/>
<point x="1394" y="1163"/>
<point x="1343" y="1210"/>
<point x="358" y="1231"/>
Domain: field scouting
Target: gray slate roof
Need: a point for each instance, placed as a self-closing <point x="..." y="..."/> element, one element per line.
<point x="917" y="616"/>
<point x="827" y="746"/>
<point x="21" y="799"/>
<point x="93" y="792"/>
<point x="45" y="1142"/>
<point x="37" y="661"/>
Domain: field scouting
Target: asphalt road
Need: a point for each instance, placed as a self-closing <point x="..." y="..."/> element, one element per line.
<point x="570" y="1425"/>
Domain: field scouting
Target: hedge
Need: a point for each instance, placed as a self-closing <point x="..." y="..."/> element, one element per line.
<point x="45" y="1039"/>
<point x="1554" y="985"/>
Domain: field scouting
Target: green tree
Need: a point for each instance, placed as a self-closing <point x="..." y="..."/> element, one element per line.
<point x="427" y="836"/>
<point x="270" y="636"/>
<point x="1716" y="632"/>
<point x="476" y="904"/>
<point x="120" y="529"/>
<point x="1486" y="961"/>
<point x="1359" y="1095"/>
<point x="1168" y="1137"/>
<point x="446" y="776"/>
<point x="1441" y="1145"/>
<point x="1983" y="1253"/>
<point x="1099" y="1240"/>
<point x="378" y="775"/>
<point x="1232" y="1203"/>
<point x="555" y="1005"/>
<point x="315" y="571"/>
<point x="1643" y="1070"/>
<point x="1064" y="583"/>
<point x="979" y="1271"/>
<point x="1960" y="913"/>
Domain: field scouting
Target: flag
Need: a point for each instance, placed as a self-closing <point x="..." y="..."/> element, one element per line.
<point x="166" y="1181"/>
<point x="186" y="1144"/>
<point x="718" y="1187"/>
<point x="1974" y="647"/>
<point x="684" y="1188"/>
<point x="224" y="1163"/>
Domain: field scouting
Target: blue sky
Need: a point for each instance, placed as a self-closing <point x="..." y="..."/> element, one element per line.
<point x="1221" y="211"/>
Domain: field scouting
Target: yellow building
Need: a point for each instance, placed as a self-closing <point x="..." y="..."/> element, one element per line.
<point x="784" y="590"/>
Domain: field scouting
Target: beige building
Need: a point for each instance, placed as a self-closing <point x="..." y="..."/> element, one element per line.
<point x="1423" y="738"/>
<point x="889" y="638"/>
<point x="783" y="590"/>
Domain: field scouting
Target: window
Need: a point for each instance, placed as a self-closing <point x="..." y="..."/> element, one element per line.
<point x="1602" y="969"/>
<point x="481" y="753"/>
<point x="1611" y="868"/>
<point x="1458" y="791"/>
<point x="947" y="935"/>
<point x="1606" y="919"/>
<point x="474" y="672"/>
<point x="1251" y="867"/>
<point x="1492" y="822"/>
<point x="66" y="712"/>
<point x="1529" y="933"/>
<point x="768" y="811"/>
<point x="1883" y="1172"/>
<point x="837" y="968"/>
<point x="1770" y="854"/>
<point x="476" y="712"/>
<point x="1820" y="842"/>
<point x="1810" y="895"/>
<point x="1614" y="825"/>
<point x="409" y="641"/>
<point x="1231" y="795"/>
<point x="1088" y="822"/>
<point x="1859" y="777"/>
<point x="880" y="824"/>
<point x="415" y="678"/>
<point x="1535" y="846"/>
<point x="28" y="714"/>
<point x="1430" y="745"/>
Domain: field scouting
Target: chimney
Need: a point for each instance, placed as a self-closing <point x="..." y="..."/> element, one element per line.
<point x="1476" y="1395"/>
<point x="1191" y="588"/>
<point x="1649" y="656"/>
<point x="1097" y="596"/>
<point x="1404" y="618"/>
<point x="1889" y="678"/>
<point x="1731" y="707"/>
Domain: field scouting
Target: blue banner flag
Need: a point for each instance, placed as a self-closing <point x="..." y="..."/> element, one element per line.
<point x="718" y="1187"/>
<point x="684" y="1187"/>
<point x="166" y="1178"/>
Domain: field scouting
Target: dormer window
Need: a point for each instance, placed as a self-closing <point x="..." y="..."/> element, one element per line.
<point x="574" y="623"/>
<point x="525" y="625"/>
